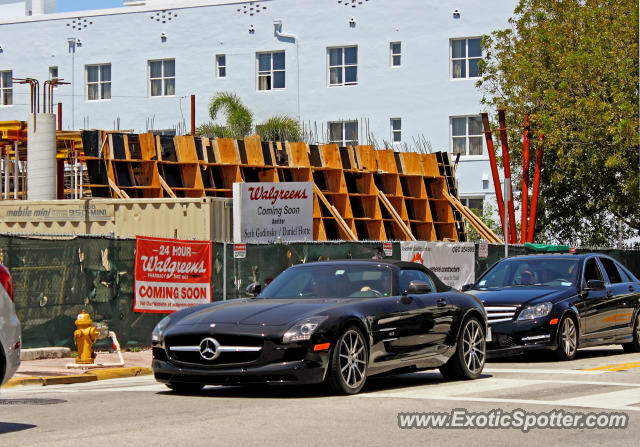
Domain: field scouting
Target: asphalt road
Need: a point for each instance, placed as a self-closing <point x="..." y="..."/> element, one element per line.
<point x="138" y="411"/>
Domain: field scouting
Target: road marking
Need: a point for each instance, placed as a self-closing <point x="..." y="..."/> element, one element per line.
<point x="618" y="367"/>
<point x="611" y="400"/>
<point x="544" y="371"/>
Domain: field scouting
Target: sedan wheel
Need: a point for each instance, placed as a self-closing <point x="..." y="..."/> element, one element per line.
<point x="468" y="360"/>
<point x="567" y="339"/>
<point x="634" y="346"/>
<point x="349" y="360"/>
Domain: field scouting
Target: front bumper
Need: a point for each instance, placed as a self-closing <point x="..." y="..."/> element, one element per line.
<point x="517" y="337"/>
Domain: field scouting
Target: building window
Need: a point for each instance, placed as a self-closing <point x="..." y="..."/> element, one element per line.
<point x="162" y="77"/>
<point x="474" y="203"/>
<point x="98" y="82"/>
<point x="6" y="88"/>
<point x="343" y="65"/>
<point x="53" y="74"/>
<point x="466" y="135"/>
<point x="465" y="55"/>
<point x="343" y="133"/>
<point x="395" y="48"/>
<point x="270" y="70"/>
<point x="396" y="130"/>
<point x="221" y="66"/>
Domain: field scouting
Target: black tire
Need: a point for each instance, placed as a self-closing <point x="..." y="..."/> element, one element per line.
<point x="567" y="339"/>
<point x="634" y="346"/>
<point x="471" y="352"/>
<point x="185" y="387"/>
<point x="347" y="371"/>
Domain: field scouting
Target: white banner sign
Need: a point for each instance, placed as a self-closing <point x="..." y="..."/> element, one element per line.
<point x="452" y="262"/>
<point x="266" y="212"/>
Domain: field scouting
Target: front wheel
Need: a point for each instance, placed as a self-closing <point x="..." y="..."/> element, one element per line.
<point x="567" y="339"/>
<point x="184" y="387"/>
<point x="634" y="346"/>
<point x="349" y="360"/>
<point x="471" y="352"/>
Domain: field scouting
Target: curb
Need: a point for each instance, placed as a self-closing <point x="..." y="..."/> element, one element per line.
<point x="89" y="376"/>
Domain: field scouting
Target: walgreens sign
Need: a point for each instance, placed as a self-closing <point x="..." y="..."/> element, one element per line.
<point x="171" y="274"/>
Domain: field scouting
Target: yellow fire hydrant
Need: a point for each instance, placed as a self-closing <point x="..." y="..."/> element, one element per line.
<point x="85" y="336"/>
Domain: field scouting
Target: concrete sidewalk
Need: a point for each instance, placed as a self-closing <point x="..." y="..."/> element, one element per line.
<point x="53" y="371"/>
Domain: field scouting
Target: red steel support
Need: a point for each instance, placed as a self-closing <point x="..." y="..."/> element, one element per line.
<point x="494" y="166"/>
<point x="193" y="114"/>
<point x="59" y="116"/>
<point x="536" y="188"/>
<point x="513" y="237"/>
<point x="525" y="180"/>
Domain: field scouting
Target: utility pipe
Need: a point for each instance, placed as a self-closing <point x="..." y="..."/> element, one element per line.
<point x="507" y="175"/>
<point x="536" y="189"/>
<point x="193" y="115"/>
<point x="525" y="180"/>
<point x="494" y="166"/>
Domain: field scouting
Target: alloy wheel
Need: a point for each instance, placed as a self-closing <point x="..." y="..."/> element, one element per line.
<point x="352" y="356"/>
<point x="474" y="346"/>
<point x="569" y="337"/>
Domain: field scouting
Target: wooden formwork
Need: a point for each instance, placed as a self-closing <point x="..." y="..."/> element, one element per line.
<point x="359" y="193"/>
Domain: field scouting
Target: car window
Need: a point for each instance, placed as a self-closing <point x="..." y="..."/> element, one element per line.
<point x="592" y="271"/>
<point x="531" y="271"/>
<point x="626" y="274"/>
<point x="612" y="270"/>
<point x="408" y="275"/>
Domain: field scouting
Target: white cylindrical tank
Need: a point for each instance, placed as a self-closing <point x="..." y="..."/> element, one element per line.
<point x="41" y="157"/>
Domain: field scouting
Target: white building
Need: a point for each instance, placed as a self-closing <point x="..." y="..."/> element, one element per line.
<point x="396" y="70"/>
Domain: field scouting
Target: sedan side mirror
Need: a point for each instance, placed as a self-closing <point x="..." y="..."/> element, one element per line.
<point x="595" y="284"/>
<point x="254" y="288"/>
<point x="467" y="287"/>
<point x="417" y="288"/>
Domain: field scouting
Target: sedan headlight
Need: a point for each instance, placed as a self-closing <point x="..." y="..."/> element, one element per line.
<point x="156" y="335"/>
<point x="303" y="329"/>
<point x="533" y="312"/>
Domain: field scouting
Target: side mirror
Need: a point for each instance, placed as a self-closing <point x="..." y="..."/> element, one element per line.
<point x="417" y="288"/>
<point x="595" y="284"/>
<point x="467" y="287"/>
<point x="254" y="288"/>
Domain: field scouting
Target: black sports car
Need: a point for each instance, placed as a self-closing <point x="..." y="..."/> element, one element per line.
<point x="559" y="302"/>
<point x="336" y="322"/>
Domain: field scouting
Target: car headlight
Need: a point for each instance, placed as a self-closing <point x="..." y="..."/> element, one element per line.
<point x="156" y="335"/>
<point x="302" y="330"/>
<point x="533" y="312"/>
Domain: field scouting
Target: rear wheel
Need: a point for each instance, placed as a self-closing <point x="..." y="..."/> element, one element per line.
<point x="349" y="360"/>
<point x="634" y="346"/>
<point x="471" y="351"/>
<point x="567" y="339"/>
<point x="184" y="387"/>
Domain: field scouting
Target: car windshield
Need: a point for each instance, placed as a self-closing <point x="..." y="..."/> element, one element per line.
<point x="531" y="272"/>
<point x="331" y="281"/>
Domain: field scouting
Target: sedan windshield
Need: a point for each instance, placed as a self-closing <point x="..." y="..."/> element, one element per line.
<point x="331" y="281"/>
<point x="531" y="272"/>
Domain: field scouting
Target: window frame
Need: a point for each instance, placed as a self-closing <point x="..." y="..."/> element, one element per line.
<point x="4" y="88"/>
<point x="466" y="58"/>
<point x="465" y="202"/>
<point x="394" y="131"/>
<point x="392" y="54"/>
<point x="271" y="72"/>
<point x="57" y="76"/>
<point x="344" y="141"/>
<point x="99" y="83"/>
<point x="466" y="137"/>
<point x="163" y="78"/>
<point x="219" y="66"/>
<point x="342" y="66"/>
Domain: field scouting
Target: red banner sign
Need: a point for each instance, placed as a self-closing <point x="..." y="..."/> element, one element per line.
<point x="171" y="274"/>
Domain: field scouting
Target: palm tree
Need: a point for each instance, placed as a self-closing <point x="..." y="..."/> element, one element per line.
<point x="239" y="118"/>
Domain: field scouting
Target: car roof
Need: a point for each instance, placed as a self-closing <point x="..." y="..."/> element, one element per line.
<point x="390" y="262"/>
<point x="555" y="256"/>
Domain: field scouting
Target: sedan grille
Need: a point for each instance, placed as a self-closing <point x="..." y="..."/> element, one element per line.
<point x="500" y="314"/>
<point x="229" y="350"/>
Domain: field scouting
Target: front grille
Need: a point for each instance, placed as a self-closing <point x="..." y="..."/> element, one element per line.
<point x="186" y="349"/>
<point x="500" y="314"/>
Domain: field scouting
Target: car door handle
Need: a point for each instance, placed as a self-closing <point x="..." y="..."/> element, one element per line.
<point x="441" y="302"/>
<point x="609" y="293"/>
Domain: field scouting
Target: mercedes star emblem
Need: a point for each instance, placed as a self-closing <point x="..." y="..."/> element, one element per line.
<point x="209" y="349"/>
